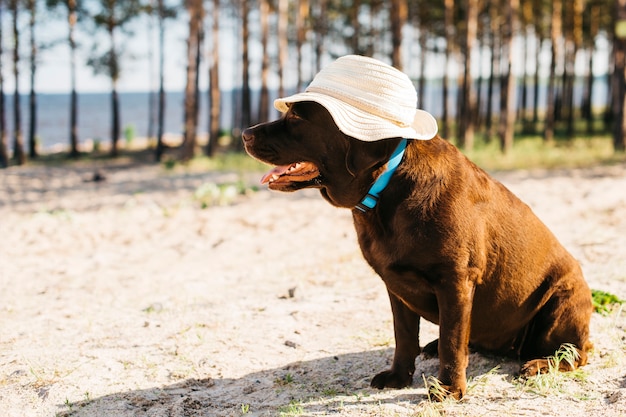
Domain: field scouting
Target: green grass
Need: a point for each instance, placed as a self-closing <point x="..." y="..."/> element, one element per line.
<point x="294" y="408"/>
<point x="229" y="161"/>
<point x="532" y="152"/>
<point x="554" y="381"/>
<point x="603" y="302"/>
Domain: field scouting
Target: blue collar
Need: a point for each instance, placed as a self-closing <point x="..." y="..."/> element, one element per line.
<point x="370" y="200"/>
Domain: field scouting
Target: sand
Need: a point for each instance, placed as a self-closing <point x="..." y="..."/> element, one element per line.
<point x="125" y="297"/>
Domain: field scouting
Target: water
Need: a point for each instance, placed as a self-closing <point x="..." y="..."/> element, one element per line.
<point x="94" y="116"/>
<point x="94" y="112"/>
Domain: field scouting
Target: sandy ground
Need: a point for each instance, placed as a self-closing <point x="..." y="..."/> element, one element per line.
<point x="126" y="298"/>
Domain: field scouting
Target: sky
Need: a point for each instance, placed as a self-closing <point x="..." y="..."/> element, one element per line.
<point x="53" y="71"/>
<point x="138" y="75"/>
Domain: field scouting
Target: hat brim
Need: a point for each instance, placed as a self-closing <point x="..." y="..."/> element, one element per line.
<point x="363" y="125"/>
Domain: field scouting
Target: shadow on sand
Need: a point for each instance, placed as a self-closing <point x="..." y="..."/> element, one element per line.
<point x="324" y="386"/>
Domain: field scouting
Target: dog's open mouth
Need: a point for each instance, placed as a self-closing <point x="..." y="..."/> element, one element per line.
<point x="283" y="176"/>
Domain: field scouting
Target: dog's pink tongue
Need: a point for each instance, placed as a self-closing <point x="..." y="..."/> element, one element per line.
<point x="279" y="170"/>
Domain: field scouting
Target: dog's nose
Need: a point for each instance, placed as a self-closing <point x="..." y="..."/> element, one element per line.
<point x="247" y="135"/>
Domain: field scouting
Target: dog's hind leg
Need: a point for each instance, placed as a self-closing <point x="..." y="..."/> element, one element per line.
<point x="563" y="320"/>
<point x="406" y="325"/>
<point x="431" y="350"/>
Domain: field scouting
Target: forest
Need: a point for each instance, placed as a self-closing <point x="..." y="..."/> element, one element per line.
<point x="503" y="68"/>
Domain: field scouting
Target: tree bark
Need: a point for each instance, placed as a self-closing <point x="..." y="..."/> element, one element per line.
<point x="214" y="84"/>
<point x="4" y="152"/>
<point x="283" y="19"/>
<point x="18" y="145"/>
<point x="619" y="74"/>
<point x="301" y="27"/>
<point x="399" y="13"/>
<point x="449" y="32"/>
<point x="72" y="19"/>
<point x="555" y="37"/>
<point x="587" y="101"/>
<point x="246" y="110"/>
<point x="115" y="105"/>
<point x="264" y="105"/>
<point x="507" y="117"/>
<point x="494" y="68"/>
<point x="32" y="101"/>
<point x="320" y="34"/>
<point x="356" y="26"/>
<point x="468" y="103"/>
<point x="190" y="130"/>
<point x="160" y="148"/>
<point x="536" y="84"/>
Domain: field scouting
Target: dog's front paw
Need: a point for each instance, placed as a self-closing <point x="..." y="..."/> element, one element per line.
<point x="392" y="379"/>
<point x="445" y="392"/>
<point x="437" y="391"/>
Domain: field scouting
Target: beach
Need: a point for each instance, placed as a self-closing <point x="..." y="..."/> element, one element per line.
<point x="125" y="292"/>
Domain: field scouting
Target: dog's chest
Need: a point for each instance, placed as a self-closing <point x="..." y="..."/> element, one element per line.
<point x="389" y="251"/>
<point x="390" y="254"/>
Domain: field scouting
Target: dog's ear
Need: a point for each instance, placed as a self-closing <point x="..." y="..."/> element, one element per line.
<point x="364" y="156"/>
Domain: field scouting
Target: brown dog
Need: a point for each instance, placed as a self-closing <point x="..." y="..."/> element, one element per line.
<point x="452" y="245"/>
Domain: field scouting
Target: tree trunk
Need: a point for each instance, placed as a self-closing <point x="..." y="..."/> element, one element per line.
<point x="568" y="87"/>
<point x="524" y="87"/>
<point x="468" y="103"/>
<point x="555" y="36"/>
<point x="32" y="131"/>
<point x="283" y="19"/>
<point x="494" y="68"/>
<point x="479" y="90"/>
<point x="4" y="154"/>
<point x="214" y="84"/>
<point x="196" y="84"/>
<point x="449" y="31"/>
<point x="356" y="26"/>
<point x="575" y="45"/>
<point x="189" y="137"/>
<point x="619" y="74"/>
<point x="115" y="106"/>
<point x="587" y="100"/>
<point x="72" y="18"/>
<point x="160" y="148"/>
<point x="18" y="145"/>
<point x="152" y="95"/>
<point x="536" y="84"/>
<point x="301" y="27"/>
<point x="421" y="84"/>
<point x="507" y="112"/>
<point x="399" y="13"/>
<point x="320" y="34"/>
<point x="115" y="124"/>
<point x="264" y="102"/>
<point x="246" y="110"/>
<point x="588" y="94"/>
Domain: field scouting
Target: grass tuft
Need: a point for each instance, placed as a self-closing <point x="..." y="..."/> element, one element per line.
<point x="294" y="408"/>
<point x="603" y="302"/>
<point x="554" y="380"/>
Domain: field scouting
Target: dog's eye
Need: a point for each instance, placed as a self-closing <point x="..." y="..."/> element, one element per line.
<point x="294" y="116"/>
<point x="293" y="113"/>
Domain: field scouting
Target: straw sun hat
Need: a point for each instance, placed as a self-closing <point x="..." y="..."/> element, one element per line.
<point x="368" y="100"/>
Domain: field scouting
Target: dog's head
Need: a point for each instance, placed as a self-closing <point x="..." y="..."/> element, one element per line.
<point x="309" y="150"/>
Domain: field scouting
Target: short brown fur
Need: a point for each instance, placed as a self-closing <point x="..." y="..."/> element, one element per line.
<point x="452" y="245"/>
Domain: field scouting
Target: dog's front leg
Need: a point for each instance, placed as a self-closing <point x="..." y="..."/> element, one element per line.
<point x="406" y="325"/>
<point x="455" y="309"/>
